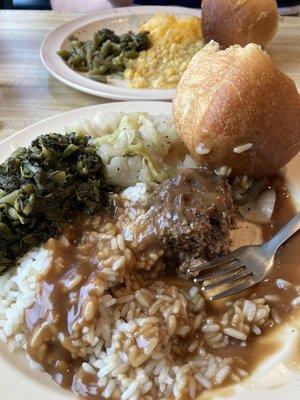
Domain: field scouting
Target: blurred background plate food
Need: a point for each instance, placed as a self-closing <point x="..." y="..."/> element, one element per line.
<point x="276" y="377"/>
<point x="120" y="20"/>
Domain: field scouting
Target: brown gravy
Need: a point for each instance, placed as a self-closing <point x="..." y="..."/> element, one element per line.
<point x="69" y="296"/>
<point x="60" y="307"/>
<point x="57" y="353"/>
<point x="286" y="267"/>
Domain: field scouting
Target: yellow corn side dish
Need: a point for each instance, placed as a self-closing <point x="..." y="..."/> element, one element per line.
<point x="174" y="41"/>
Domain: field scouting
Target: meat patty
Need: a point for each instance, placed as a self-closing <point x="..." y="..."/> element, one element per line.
<point x="191" y="214"/>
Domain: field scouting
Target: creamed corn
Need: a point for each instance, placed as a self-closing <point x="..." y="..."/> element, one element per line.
<point x="174" y="41"/>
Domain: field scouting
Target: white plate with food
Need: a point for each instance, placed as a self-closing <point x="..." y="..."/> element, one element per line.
<point x="137" y="339"/>
<point x="134" y="66"/>
<point x="107" y="210"/>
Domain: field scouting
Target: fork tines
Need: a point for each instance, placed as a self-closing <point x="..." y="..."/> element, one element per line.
<point x="223" y="271"/>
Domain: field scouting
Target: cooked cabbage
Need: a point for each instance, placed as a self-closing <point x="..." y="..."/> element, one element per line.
<point x="137" y="149"/>
<point x="261" y="209"/>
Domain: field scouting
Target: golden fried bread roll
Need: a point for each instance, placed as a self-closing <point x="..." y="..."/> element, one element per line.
<point x="241" y="22"/>
<point x="234" y="108"/>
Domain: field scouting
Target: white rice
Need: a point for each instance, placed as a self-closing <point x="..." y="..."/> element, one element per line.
<point x="235" y="333"/>
<point x="108" y="355"/>
<point x="128" y="346"/>
<point x="244" y="147"/>
<point x="18" y="291"/>
<point x="201" y="149"/>
<point x="283" y="284"/>
<point x="223" y="171"/>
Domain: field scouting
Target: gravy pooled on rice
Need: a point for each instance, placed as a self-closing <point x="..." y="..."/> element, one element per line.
<point x="95" y="257"/>
<point x="115" y="317"/>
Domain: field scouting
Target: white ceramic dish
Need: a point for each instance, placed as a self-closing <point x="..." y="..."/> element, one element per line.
<point x="273" y="379"/>
<point x="120" y="20"/>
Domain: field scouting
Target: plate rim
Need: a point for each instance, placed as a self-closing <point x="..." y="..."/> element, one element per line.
<point x="71" y="78"/>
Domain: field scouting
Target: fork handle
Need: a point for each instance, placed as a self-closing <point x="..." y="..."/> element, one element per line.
<point x="285" y="233"/>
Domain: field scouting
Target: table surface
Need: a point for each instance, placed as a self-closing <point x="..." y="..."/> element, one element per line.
<point x="28" y="93"/>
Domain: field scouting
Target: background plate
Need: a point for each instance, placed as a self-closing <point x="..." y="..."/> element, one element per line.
<point x="274" y="379"/>
<point x="120" y="20"/>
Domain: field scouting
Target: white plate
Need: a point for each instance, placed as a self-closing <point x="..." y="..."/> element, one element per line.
<point x="273" y="379"/>
<point x="120" y="20"/>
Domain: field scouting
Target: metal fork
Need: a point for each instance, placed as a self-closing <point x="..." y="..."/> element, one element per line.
<point x="244" y="267"/>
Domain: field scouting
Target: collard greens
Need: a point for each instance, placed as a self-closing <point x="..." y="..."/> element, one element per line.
<point x="43" y="186"/>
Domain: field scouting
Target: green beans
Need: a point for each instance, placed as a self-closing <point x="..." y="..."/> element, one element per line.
<point x="99" y="78"/>
<point x="100" y="71"/>
<point x="95" y="42"/>
<point x="106" y="54"/>
<point x="89" y="56"/>
<point x="65" y="55"/>
<point x="82" y="69"/>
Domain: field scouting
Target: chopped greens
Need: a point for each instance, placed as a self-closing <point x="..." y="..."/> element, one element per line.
<point x="107" y="53"/>
<point x="43" y="186"/>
